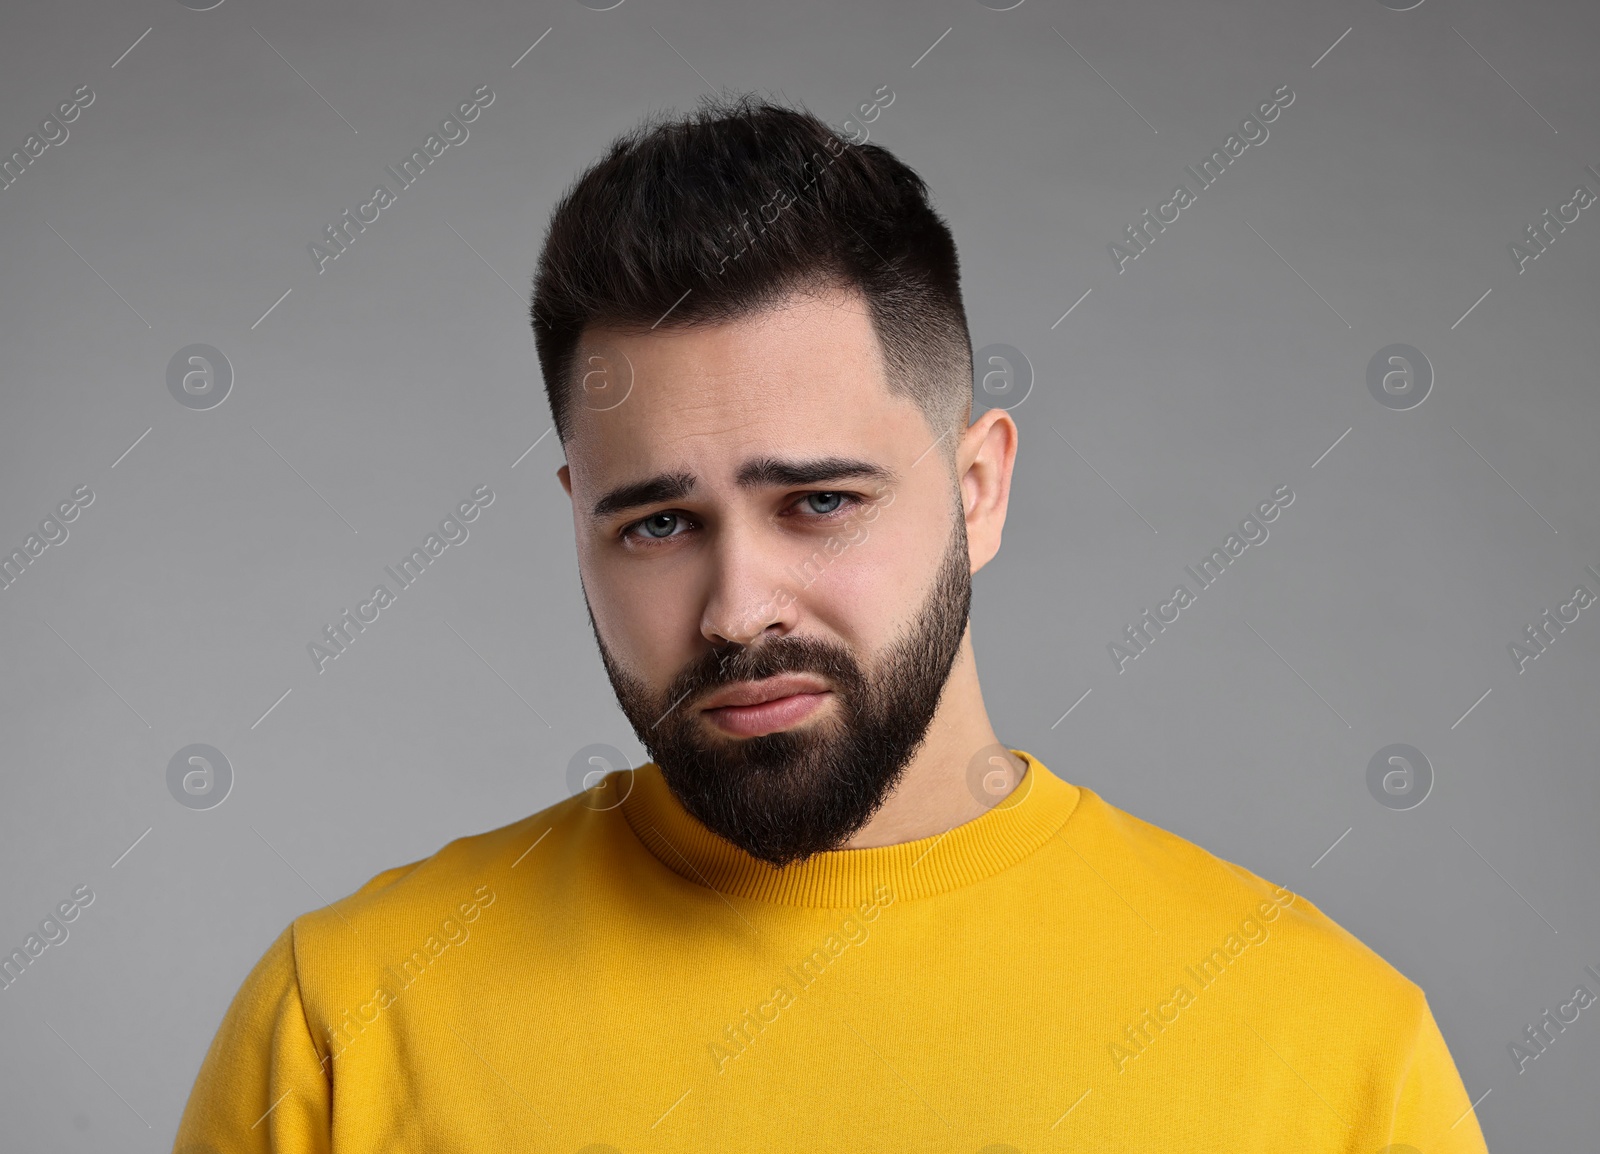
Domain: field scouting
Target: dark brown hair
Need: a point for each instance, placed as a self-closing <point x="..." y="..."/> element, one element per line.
<point x="715" y="215"/>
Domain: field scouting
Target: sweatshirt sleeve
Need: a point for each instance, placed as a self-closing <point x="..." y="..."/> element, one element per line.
<point x="1432" y="1111"/>
<point x="262" y="1088"/>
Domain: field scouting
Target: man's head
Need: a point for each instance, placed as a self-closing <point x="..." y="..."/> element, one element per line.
<point x="757" y="359"/>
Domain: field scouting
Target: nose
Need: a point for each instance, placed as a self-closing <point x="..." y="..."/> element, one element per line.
<point x="750" y="593"/>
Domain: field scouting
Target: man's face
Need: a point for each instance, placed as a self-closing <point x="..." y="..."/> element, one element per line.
<point x="777" y="574"/>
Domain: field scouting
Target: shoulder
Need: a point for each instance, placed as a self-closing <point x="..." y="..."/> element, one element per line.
<point x="430" y="903"/>
<point x="1216" y="913"/>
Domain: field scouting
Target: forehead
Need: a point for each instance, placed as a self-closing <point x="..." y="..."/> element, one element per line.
<point x="803" y="378"/>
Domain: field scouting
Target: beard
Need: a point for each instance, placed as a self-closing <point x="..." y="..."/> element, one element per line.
<point x="782" y="797"/>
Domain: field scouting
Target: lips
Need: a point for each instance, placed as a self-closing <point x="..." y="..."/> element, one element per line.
<point x="768" y="689"/>
<point x="753" y="708"/>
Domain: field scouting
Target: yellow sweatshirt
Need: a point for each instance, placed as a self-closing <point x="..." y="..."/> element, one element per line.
<point x="608" y="975"/>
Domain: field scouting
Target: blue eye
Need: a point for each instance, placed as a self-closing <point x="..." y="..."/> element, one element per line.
<point x="660" y="524"/>
<point x="831" y="500"/>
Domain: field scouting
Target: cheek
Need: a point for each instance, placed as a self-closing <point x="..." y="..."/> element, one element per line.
<point x="647" y="614"/>
<point x="856" y="601"/>
<point x="875" y="587"/>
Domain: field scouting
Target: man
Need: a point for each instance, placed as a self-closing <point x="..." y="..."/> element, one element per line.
<point x="835" y="911"/>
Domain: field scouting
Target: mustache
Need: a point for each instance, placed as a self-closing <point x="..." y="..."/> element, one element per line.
<point x="719" y="667"/>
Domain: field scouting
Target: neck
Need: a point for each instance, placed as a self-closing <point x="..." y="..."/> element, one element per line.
<point x="934" y="794"/>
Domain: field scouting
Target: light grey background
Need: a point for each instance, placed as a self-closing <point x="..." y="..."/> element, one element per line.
<point x="380" y="392"/>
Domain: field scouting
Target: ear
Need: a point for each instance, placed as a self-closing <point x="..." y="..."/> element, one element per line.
<point x="985" y="458"/>
<point x="566" y="479"/>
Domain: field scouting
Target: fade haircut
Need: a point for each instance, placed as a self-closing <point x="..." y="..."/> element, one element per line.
<point x="716" y="215"/>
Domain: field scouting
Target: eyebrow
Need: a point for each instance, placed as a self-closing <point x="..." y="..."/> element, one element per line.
<point x="759" y="472"/>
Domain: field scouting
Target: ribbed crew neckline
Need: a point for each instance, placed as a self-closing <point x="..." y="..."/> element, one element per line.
<point x="1028" y="817"/>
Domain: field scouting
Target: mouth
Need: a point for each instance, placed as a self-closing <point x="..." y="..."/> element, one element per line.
<point x="752" y="708"/>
